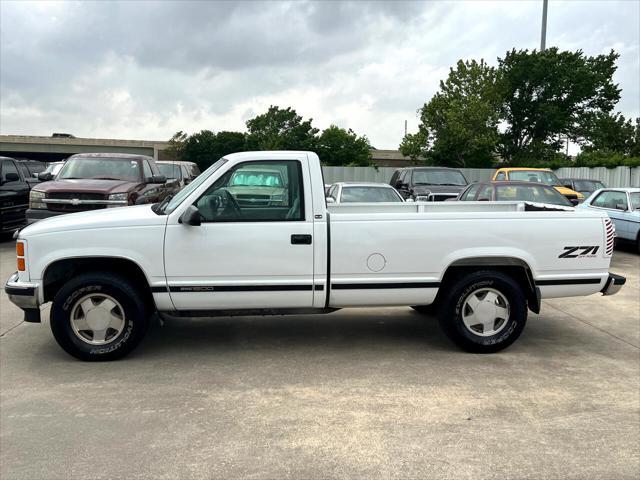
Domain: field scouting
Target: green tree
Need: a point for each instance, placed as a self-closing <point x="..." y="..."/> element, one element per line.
<point x="176" y="145"/>
<point x="337" y="146"/>
<point x="280" y="129"/>
<point x="548" y="96"/>
<point x="459" y="125"/>
<point x="608" y="132"/>
<point x="205" y="147"/>
<point x="416" y="146"/>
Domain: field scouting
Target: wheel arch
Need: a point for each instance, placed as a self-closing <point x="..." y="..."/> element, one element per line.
<point x="60" y="271"/>
<point x="515" y="267"/>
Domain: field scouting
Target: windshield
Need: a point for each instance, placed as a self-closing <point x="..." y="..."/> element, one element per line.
<point x="169" y="170"/>
<point x="533" y="193"/>
<point x="186" y="191"/>
<point x="369" y="194"/>
<point x="438" y="177"/>
<point x="539" y="176"/>
<point x="635" y="200"/>
<point x="248" y="178"/>
<point x="112" y="168"/>
<point x="588" y="185"/>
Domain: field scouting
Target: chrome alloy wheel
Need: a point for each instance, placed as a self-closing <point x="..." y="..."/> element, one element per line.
<point x="485" y="312"/>
<point x="97" y="319"/>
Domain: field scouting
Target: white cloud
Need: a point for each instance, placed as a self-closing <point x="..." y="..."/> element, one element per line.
<point x="146" y="70"/>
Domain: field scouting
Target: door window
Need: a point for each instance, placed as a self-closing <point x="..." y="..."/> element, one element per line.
<point x="485" y="193"/>
<point x="146" y="170"/>
<point x="611" y="199"/>
<point x="500" y="176"/>
<point x="8" y="167"/>
<point x="470" y="194"/>
<point x="256" y="191"/>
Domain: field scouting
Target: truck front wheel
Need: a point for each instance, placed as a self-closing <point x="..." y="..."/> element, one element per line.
<point x="484" y="312"/>
<point x="99" y="316"/>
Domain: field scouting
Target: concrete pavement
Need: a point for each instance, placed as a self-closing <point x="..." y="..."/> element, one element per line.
<point x="355" y="394"/>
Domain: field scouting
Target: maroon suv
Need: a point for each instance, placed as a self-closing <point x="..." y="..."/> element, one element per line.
<point x="91" y="181"/>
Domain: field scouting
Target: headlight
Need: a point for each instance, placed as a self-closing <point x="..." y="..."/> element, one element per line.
<point x="121" y="198"/>
<point x="277" y="199"/>
<point x="35" y="199"/>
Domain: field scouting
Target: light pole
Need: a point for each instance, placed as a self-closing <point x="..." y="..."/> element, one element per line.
<point x="543" y="35"/>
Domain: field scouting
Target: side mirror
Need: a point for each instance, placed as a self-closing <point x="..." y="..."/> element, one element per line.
<point x="191" y="216"/>
<point x="483" y="199"/>
<point x="331" y="200"/>
<point x="567" y="185"/>
<point x="400" y="185"/>
<point x="157" y="179"/>
<point x="45" y="176"/>
<point x="409" y="200"/>
<point x="11" y="177"/>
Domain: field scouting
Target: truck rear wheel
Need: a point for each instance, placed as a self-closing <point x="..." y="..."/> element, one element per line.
<point x="99" y="316"/>
<point x="484" y="312"/>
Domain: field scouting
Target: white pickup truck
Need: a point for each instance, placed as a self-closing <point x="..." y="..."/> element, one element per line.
<point x="253" y="235"/>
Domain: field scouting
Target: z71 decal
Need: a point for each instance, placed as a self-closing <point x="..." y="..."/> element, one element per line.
<point x="579" y="252"/>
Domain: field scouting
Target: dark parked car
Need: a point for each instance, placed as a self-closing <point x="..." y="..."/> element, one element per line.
<point x="31" y="168"/>
<point x="493" y="191"/>
<point x="177" y="173"/>
<point x="91" y="181"/>
<point x="428" y="183"/>
<point x="585" y="186"/>
<point x="14" y="194"/>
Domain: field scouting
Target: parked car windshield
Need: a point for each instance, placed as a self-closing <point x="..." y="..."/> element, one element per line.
<point x="539" y="176"/>
<point x="169" y="170"/>
<point x="248" y="178"/>
<point x="635" y="200"/>
<point x="533" y="193"/>
<point x="109" y="168"/>
<point x="186" y="191"/>
<point x="369" y="194"/>
<point x="438" y="177"/>
<point x="588" y="185"/>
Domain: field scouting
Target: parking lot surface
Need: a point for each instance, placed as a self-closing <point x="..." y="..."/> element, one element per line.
<point x="362" y="393"/>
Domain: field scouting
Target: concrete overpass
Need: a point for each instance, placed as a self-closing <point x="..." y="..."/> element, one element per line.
<point x="58" y="148"/>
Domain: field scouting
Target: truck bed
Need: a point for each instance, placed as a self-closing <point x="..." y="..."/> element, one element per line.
<point x="443" y="207"/>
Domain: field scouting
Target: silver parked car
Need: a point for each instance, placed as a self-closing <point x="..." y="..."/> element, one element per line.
<point x="623" y="207"/>
<point x="345" y="192"/>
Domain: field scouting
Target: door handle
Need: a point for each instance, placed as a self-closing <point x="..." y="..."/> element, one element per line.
<point x="300" y="239"/>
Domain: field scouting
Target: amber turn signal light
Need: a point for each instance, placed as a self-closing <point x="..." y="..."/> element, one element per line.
<point x="21" y="264"/>
<point x="20" y="249"/>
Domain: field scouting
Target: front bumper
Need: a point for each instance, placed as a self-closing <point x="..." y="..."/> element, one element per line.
<point x="25" y="296"/>
<point x="35" y="214"/>
<point x="613" y="284"/>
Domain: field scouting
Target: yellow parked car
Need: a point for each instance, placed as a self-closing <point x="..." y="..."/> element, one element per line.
<point x="540" y="175"/>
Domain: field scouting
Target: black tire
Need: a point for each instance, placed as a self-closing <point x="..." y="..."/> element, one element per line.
<point x="426" y="309"/>
<point x="135" y="319"/>
<point x="451" y="313"/>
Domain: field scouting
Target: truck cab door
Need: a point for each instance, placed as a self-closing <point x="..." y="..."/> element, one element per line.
<point x="253" y="247"/>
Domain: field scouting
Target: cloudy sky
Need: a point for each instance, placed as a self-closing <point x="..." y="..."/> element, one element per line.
<point x="144" y="70"/>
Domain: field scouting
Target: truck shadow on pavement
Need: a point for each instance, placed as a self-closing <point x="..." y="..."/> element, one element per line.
<point x="400" y="328"/>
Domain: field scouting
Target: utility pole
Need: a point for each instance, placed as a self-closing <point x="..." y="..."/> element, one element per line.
<point x="405" y="128"/>
<point x="543" y="35"/>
